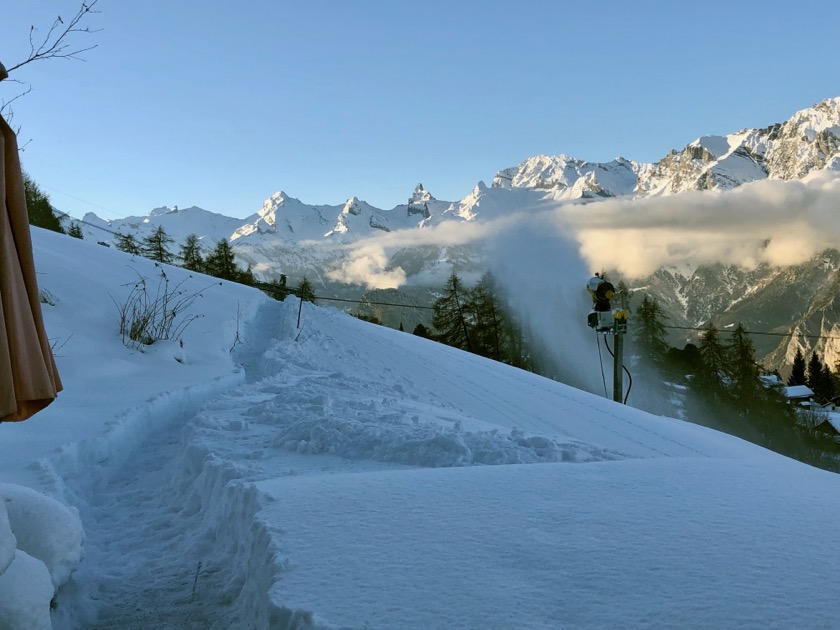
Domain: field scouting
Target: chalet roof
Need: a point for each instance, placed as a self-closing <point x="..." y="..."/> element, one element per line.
<point x="832" y="418"/>
<point x="798" y="391"/>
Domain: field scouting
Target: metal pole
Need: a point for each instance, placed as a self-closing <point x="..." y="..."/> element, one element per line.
<point x="618" y="368"/>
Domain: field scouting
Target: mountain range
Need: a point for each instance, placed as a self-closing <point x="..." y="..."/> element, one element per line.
<point x="415" y="250"/>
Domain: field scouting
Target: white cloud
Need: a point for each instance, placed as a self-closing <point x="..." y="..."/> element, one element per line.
<point x="776" y="222"/>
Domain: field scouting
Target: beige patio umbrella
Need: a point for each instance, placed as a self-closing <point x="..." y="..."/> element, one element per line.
<point x="29" y="380"/>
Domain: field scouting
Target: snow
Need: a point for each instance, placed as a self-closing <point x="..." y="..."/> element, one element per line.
<point x="346" y="475"/>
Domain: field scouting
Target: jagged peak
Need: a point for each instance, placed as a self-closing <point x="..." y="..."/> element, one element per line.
<point x="420" y="195"/>
<point x="352" y="206"/>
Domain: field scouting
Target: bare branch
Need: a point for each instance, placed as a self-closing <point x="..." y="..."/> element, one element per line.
<point x="8" y="113"/>
<point x="57" y="44"/>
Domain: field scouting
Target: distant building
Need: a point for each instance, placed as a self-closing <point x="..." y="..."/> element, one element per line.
<point x="801" y="395"/>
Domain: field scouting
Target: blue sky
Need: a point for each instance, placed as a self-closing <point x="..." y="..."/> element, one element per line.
<point x="221" y="104"/>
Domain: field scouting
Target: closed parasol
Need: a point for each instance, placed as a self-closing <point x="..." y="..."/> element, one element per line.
<point x="29" y="379"/>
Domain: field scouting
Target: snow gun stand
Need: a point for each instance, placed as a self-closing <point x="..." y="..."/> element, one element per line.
<point x="608" y="322"/>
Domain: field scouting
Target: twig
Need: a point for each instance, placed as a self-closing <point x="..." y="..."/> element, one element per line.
<point x="55" y="44"/>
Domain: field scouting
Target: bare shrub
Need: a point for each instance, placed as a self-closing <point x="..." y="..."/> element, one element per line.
<point x="156" y="313"/>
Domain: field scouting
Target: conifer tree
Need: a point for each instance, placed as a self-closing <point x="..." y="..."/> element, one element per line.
<point x="815" y="368"/>
<point x="39" y="208"/>
<point x="278" y="289"/>
<point x="449" y="317"/>
<point x="826" y="388"/>
<point x="75" y="230"/>
<point x="422" y="331"/>
<point x="220" y="262"/>
<point x="155" y="246"/>
<point x="305" y="291"/>
<point x="820" y="379"/>
<point x="128" y="244"/>
<point x="797" y="371"/>
<point x="745" y="378"/>
<point x="247" y="276"/>
<point x="191" y="254"/>
<point x="712" y="363"/>
<point x="488" y="330"/>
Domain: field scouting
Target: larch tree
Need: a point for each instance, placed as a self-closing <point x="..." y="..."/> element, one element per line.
<point x="712" y="363"/>
<point x="488" y="336"/>
<point x="220" y="262"/>
<point x="155" y="246"/>
<point x="449" y="318"/>
<point x="128" y="243"/>
<point x="743" y="371"/>
<point x="191" y="254"/>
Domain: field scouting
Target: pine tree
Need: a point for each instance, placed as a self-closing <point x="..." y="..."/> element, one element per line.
<point x="128" y="244"/>
<point x="75" y="230"/>
<point x="191" y="254"/>
<point x="649" y="331"/>
<point x="449" y="317"/>
<point x="815" y="368"/>
<point x="820" y="379"/>
<point x="39" y="208"/>
<point x="797" y="371"/>
<point x="826" y="391"/>
<point x="155" y="246"/>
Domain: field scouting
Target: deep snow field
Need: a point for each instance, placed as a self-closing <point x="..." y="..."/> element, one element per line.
<point x="345" y="475"/>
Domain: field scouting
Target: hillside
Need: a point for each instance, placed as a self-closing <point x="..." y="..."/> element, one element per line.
<point x="345" y="475"/>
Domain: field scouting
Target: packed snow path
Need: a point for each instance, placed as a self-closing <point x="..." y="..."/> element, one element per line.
<point x="142" y="537"/>
<point x="308" y="496"/>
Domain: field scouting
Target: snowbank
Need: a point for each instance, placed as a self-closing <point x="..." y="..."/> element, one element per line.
<point x="342" y="474"/>
<point x="114" y="397"/>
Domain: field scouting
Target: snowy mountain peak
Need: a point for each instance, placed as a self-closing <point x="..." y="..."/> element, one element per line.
<point x="162" y="210"/>
<point x="561" y="173"/>
<point x="352" y="206"/>
<point x="808" y="141"/>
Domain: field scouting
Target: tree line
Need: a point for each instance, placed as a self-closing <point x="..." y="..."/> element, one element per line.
<point x="478" y="320"/>
<point x="727" y="389"/>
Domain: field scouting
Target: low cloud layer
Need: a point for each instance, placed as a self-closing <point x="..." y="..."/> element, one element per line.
<point x="776" y="222"/>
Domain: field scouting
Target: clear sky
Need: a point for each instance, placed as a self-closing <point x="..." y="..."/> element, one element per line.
<point x="220" y="104"/>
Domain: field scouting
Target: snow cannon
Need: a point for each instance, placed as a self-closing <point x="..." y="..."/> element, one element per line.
<point x="601" y="291"/>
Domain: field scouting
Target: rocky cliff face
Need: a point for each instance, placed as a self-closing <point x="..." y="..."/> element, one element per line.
<point x="784" y="308"/>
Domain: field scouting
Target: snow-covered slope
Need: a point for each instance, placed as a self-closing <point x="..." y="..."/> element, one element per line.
<point x="345" y="475"/>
